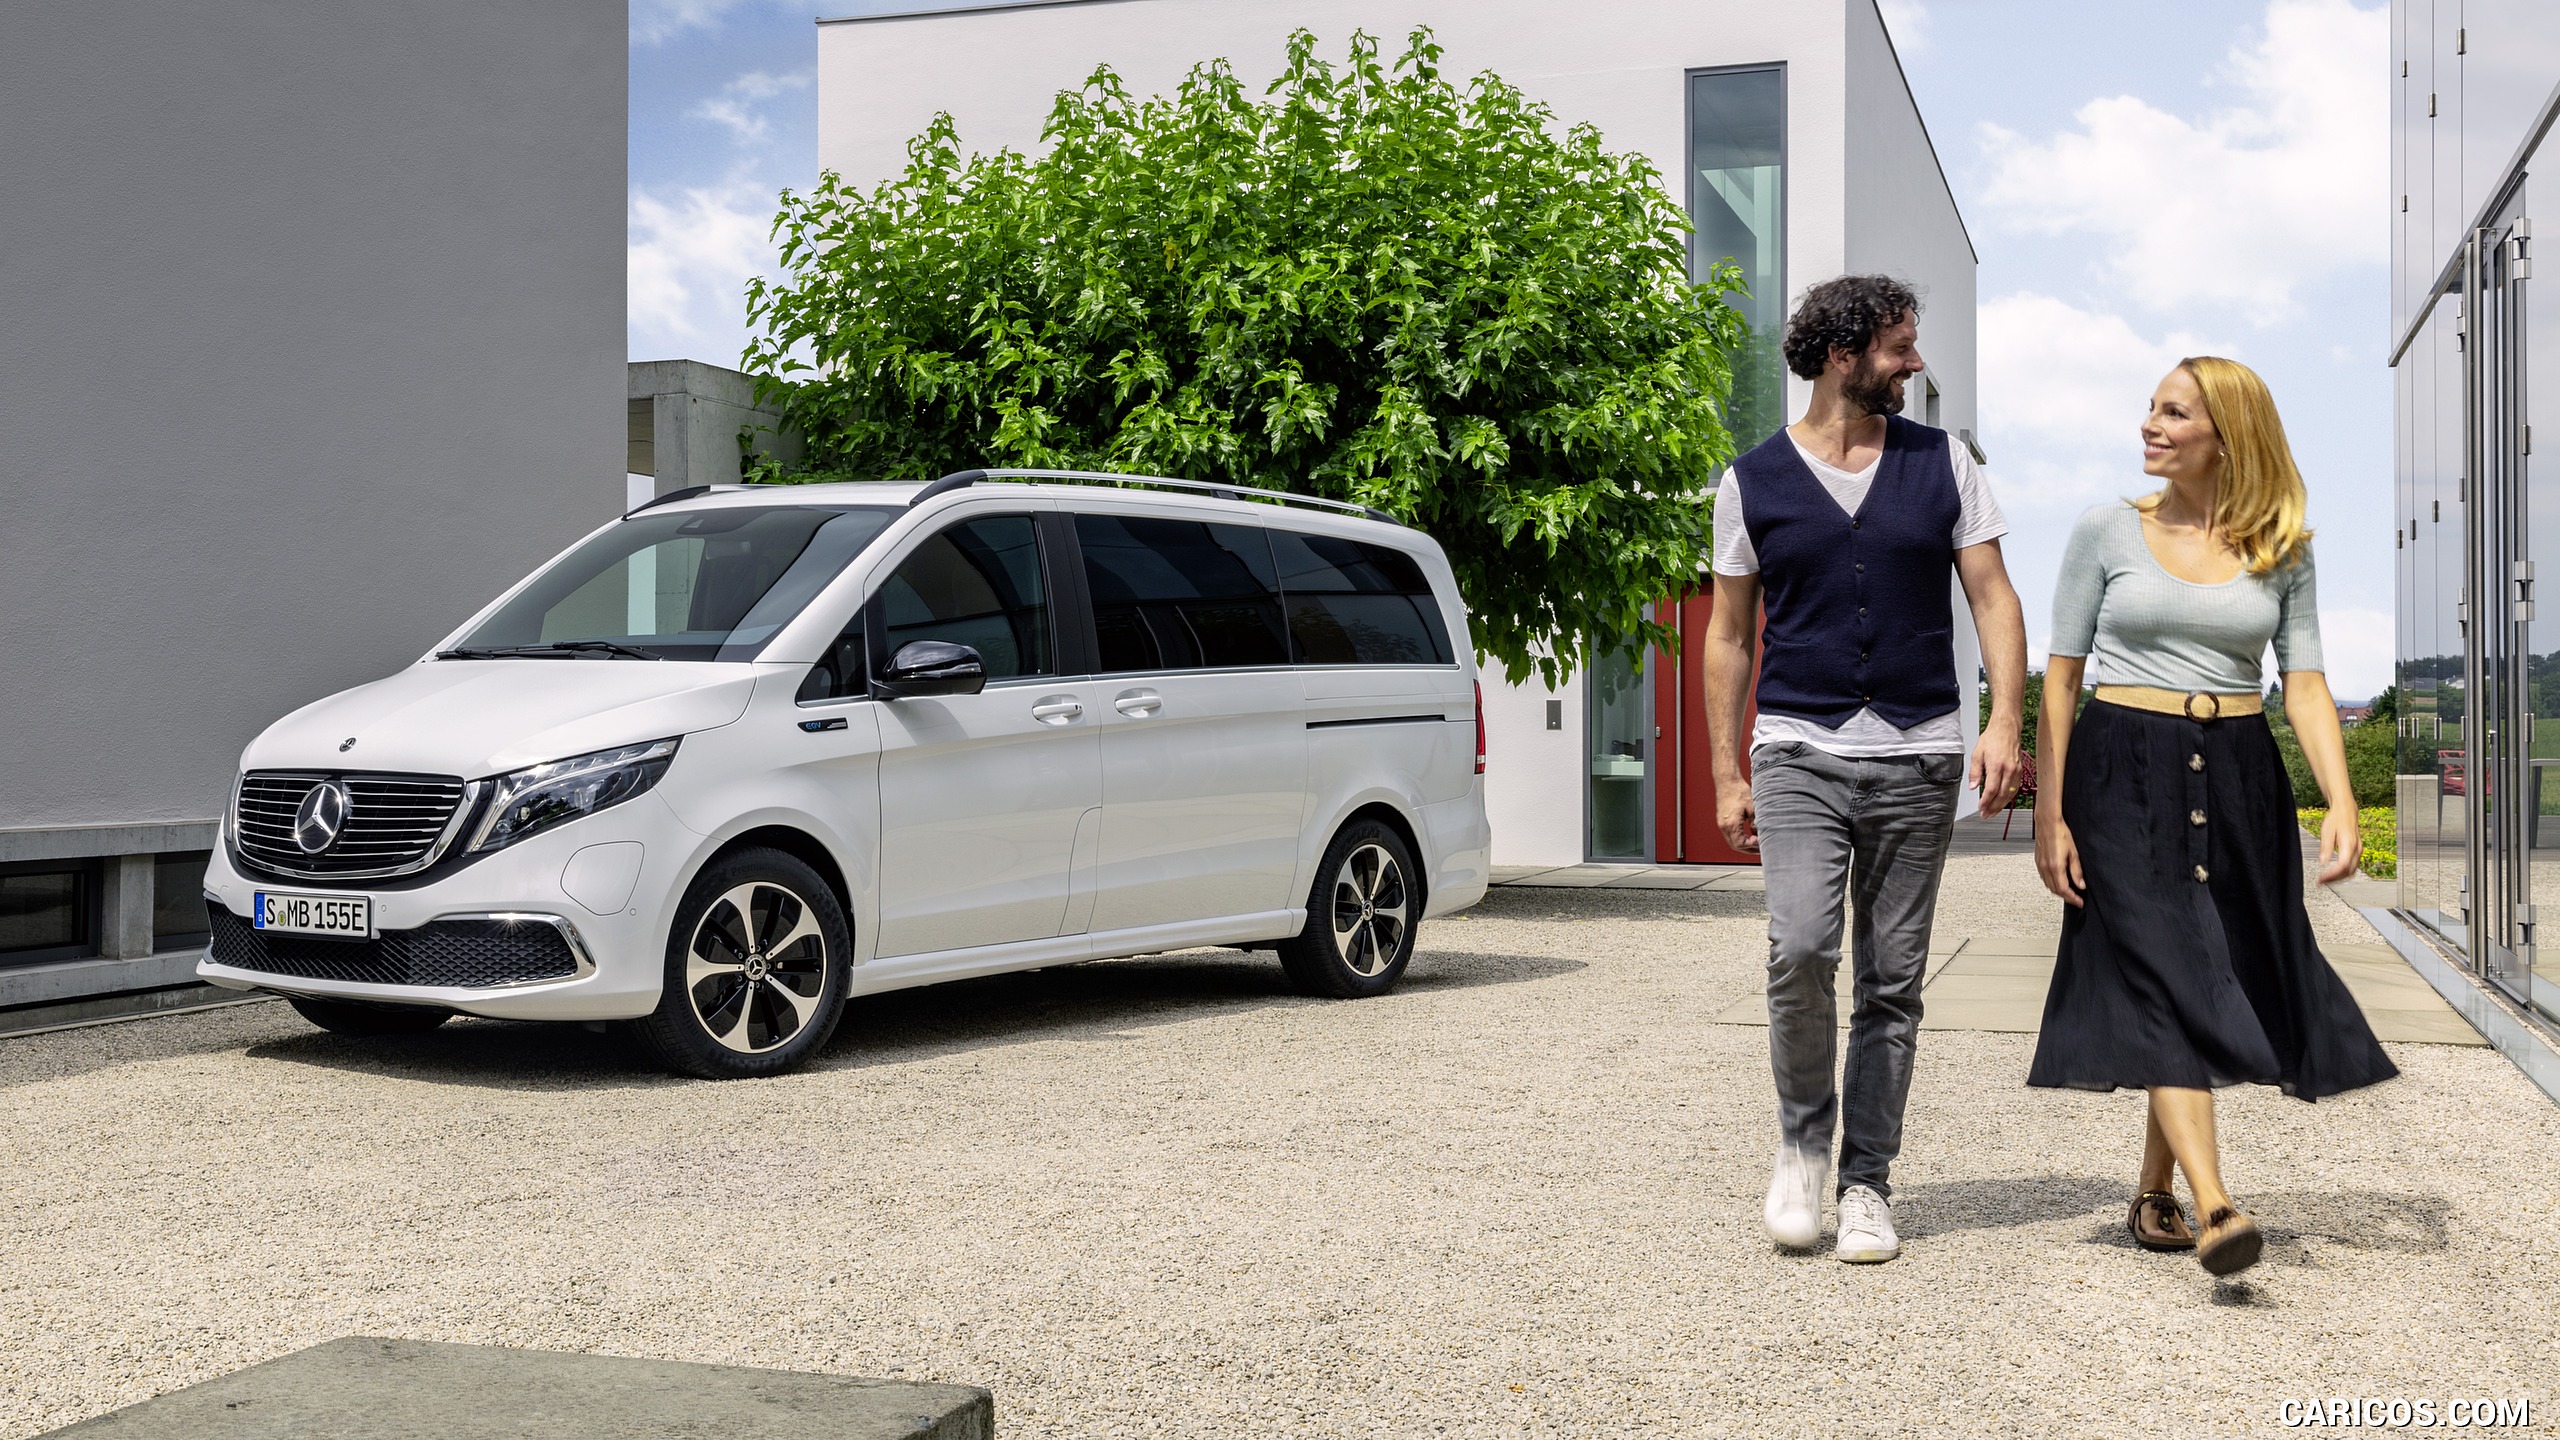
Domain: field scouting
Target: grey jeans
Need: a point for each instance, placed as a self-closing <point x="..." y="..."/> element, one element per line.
<point x="1874" y="831"/>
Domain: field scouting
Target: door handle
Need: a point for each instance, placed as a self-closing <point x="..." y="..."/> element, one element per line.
<point x="1057" y="710"/>
<point x="1137" y="704"/>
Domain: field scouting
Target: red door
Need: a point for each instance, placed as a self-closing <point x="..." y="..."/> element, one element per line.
<point x="1684" y="796"/>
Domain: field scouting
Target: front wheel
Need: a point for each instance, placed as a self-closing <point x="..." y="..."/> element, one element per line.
<point x="757" y="967"/>
<point x="1360" y="917"/>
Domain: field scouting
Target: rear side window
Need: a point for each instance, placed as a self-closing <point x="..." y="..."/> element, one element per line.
<point x="978" y="584"/>
<point x="1180" y="594"/>
<point x="1351" y="603"/>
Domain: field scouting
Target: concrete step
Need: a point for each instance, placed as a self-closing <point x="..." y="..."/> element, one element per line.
<point x="364" y="1388"/>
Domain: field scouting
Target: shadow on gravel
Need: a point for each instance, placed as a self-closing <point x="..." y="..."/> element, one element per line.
<point x="1520" y="902"/>
<point x="1073" y="1002"/>
<point x="1945" y="1207"/>
<point x="1091" y="1002"/>
<point x="494" y="1054"/>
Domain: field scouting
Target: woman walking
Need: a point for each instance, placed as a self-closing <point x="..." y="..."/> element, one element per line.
<point x="2187" y="961"/>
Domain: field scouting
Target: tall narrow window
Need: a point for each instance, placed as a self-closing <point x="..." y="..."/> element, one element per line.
<point x="1738" y="202"/>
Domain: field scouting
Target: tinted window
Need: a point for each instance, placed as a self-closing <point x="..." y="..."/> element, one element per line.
<point x="177" y="898"/>
<point x="840" y="672"/>
<point x="1180" y="595"/>
<point x="1356" y="604"/>
<point x="44" y="910"/>
<point x="687" y="585"/>
<point x="978" y="584"/>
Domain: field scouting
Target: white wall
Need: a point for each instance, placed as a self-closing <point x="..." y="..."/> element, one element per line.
<point x="1533" y="776"/>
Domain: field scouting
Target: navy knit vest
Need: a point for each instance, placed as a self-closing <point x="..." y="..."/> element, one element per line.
<point x="1858" y="608"/>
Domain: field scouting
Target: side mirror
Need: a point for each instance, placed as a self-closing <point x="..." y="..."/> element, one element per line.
<point x="931" y="667"/>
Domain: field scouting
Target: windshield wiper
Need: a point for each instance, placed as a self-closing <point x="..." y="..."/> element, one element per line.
<point x="551" y="649"/>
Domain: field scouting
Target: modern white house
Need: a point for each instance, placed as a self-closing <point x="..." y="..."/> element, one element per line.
<point x="1788" y="130"/>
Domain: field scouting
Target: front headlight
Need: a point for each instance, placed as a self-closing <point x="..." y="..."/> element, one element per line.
<point x="538" y="797"/>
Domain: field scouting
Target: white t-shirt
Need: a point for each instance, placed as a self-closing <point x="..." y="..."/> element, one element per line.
<point x="1865" y="733"/>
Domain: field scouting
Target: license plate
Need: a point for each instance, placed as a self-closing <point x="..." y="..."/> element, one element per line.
<point x="350" y="916"/>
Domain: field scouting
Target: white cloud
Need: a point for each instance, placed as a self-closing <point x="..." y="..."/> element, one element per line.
<point x="2235" y="208"/>
<point x="1907" y="21"/>
<point x="655" y="21"/>
<point x="2356" y="647"/>
<point x="2063" y="393"/>
<point x="735" y="105"/>
<point x="689" y="256"/>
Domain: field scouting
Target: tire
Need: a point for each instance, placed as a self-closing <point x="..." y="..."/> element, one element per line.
<point x="354" y="1017"/>
<point x="757" y="967"/>
<point x="1360" y="917"/>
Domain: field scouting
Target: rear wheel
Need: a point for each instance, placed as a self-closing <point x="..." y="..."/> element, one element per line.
<point x="1360" y="916"/>
<point x="757" y="967"/>
<point x="354" y="1017"/>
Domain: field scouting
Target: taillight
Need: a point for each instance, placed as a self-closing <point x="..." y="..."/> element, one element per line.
<point x="1479" y="727"/>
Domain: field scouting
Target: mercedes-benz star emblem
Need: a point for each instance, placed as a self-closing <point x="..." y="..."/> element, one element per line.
<point x="346" y="745"/>
<point x="322" y="814"/>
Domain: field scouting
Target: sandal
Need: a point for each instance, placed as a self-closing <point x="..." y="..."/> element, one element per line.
<point x="2157" y="1222"/>
<point x="2233" y="1250"/>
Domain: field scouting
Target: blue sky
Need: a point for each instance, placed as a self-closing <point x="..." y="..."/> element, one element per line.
<point x="2142" y="183"/>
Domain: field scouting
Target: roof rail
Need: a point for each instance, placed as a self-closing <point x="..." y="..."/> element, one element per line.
<point x="965" y="478"/>
<point x="669" y="498"/>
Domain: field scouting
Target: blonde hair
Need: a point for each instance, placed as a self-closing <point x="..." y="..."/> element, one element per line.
<point x="2260" y="503"/>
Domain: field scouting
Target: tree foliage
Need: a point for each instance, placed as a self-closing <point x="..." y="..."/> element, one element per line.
<point x="1372" y="285"/>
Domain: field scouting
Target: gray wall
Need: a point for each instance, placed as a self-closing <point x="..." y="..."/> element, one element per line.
<point x="311" y="339"/>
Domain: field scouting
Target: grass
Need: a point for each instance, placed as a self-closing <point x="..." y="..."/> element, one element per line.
<point x="2381" y="838"/>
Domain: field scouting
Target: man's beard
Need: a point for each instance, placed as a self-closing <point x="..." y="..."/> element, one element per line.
<point x="1874" y="394"/>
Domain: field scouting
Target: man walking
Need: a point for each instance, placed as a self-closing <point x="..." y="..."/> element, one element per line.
<point x="1848" y="523"/>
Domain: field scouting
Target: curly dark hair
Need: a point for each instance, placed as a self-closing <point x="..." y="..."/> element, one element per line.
<point x="1847" y="313"/>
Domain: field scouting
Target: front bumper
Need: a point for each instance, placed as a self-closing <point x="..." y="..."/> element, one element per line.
<point x="618" y="953"/>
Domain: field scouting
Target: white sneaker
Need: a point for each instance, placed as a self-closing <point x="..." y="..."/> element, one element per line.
<point x="1866" y="1227"/>
<point x="1794" y="1211"/>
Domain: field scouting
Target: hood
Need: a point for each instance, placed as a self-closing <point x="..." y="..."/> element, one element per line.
<point x="476" y="718"/>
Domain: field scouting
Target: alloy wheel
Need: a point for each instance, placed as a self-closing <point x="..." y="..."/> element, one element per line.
<point x="1370" y="910"/>
<point x="757" y="967"/>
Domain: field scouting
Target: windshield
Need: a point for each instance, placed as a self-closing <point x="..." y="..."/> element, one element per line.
<point x="699" y="585"/>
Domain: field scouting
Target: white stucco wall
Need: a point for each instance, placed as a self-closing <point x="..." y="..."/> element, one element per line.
<point x="1620" y="65"/>
<point x="1533" y="776"/>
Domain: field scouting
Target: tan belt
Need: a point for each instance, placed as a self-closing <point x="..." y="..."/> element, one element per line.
<point x="2193" y="704"/>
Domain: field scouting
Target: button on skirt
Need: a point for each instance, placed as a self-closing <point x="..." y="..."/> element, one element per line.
<point x="2192" y="964"/>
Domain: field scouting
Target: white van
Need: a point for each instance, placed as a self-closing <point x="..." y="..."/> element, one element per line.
<point x="748" y="751"/>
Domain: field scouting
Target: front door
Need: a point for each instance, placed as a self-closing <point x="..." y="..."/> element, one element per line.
<point x="2504" y="785"/>
<point x="1203" y="740"/>
<point x="982" y="797"/>
<point x="1684" y="805"/>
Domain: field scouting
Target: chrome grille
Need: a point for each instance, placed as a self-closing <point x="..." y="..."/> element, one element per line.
<point x="395" y="823"/>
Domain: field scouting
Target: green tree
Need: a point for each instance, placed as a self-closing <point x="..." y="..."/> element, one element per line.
<point x="1372" y="284"/>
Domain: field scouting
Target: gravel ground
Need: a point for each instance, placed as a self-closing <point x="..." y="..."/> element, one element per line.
<point x="1162" y="1198"/>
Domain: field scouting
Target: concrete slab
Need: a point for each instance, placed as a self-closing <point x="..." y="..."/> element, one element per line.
<point x="2024" y="989"/>
<point x="1986" y="962"/>
<point x="1998" y="1016"/>
<point x="1662" y="880"/>
<point x="365" y="1388"/>
<point x="2043" y="944"/>
<point x="1739" y="880"/>
<point x="1581" y="877"/>
<point x="2436" y="1026"/>
<point x="1514" y="874"/>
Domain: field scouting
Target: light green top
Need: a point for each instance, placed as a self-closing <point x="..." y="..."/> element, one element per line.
<point x="2141" y="625"/>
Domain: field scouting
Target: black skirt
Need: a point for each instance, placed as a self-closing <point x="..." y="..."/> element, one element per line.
<point x="2192" y="964"/>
